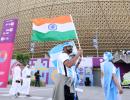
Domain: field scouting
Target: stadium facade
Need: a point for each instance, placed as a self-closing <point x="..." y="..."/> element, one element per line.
<point x="109" y="18"/>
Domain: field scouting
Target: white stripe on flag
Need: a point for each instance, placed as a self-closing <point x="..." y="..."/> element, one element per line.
<point x="59" y="27"/>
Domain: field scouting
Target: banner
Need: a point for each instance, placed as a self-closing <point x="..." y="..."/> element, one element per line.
<point x="86" y="62"/>
<point x="49" y="73"/>
<point x="97" y="61"/>
<point x="7" y="38"/>
<point x="6" y="50"/>
<point x="8" y="31"/>
<point x="46" y="71"/>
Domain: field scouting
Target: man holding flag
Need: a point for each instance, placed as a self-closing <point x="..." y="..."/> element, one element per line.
<point x="59" y="29"/>
<point x="63" y="89"/>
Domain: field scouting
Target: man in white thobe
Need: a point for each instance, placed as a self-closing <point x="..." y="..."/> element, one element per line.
<point x="26" y="76"/>
<point x="16" y="81"/>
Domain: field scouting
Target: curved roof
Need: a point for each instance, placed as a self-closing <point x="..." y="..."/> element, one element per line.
<point x="109" y="18"/>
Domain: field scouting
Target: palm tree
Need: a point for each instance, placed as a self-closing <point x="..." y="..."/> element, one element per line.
<point x="22" y="58"/>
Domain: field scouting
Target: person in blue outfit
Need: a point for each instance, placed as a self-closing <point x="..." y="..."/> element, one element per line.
<point x="109" y="78"/>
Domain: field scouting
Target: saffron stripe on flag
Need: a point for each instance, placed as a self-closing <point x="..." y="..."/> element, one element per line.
<point x="60" y="20"/>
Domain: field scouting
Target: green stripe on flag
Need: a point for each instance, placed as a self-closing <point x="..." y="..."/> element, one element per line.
<point x="53" y="36"/>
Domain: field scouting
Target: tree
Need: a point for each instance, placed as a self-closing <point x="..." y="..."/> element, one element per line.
<point x="22" y="58"/>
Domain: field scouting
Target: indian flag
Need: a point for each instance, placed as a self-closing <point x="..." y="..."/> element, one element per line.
<point x="55" y="29"/>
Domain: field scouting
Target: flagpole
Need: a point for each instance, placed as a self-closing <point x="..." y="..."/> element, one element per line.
<point x="97" y="53"/>
<point x="76" y="34"/>
<point x="97" y="44"/>
<point x="32" y="46"/>
<point x="78" y="40"/>
<point x="77" y="37"/>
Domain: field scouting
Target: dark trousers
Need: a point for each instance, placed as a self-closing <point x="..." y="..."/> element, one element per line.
<point x="67" y="94"/>
<point x="37" y="83"/>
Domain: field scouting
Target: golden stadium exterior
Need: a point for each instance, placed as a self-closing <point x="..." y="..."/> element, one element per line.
<point x="109" y="18"/>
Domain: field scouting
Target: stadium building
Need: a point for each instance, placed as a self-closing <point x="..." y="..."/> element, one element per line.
<point x="109" y="19"/>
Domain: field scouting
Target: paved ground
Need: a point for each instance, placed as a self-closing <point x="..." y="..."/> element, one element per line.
<point x="45" y="93"/>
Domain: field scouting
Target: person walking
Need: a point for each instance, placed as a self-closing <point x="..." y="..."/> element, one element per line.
<point x="16" y="81"/>
<point x="63" y="89"/>
<point x="37" y="78"/>
<point x="109" y="78"/>
<point x="26" y="76"/>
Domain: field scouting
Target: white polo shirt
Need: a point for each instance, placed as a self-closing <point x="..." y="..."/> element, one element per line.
<point x="60" y="60"/>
